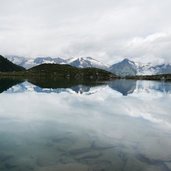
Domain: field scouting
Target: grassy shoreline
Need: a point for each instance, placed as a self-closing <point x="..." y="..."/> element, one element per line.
<point x="26" y="75"/>
<point x="162" y="77"/>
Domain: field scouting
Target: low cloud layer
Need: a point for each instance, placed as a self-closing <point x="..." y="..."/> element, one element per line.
<point x="107" y="30"/>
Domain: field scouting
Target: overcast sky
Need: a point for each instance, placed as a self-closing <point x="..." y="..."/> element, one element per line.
<point x="107" y="30"/>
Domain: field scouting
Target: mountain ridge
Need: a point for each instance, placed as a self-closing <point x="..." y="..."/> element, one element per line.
<point x="126" y="67"/>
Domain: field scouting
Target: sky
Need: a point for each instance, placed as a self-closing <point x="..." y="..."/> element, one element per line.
<point x="107" y="30"/>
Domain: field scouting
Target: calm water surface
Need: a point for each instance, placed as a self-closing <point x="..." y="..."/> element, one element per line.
<point x="120" y="126"/>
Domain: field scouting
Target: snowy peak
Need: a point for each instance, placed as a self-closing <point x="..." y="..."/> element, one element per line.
<point x="144" y="69"/>
<point x="82" y="62"/>
<point x="86" y="62"/>
<point x="162" y="69"/>
<point x="130" y="68"/>
<point x="149" y="69"/>
<point x="127" y="61"/>
<point x="19" y="60"/>
<point x="30" y="62"/>
<point x="42" y="60"/>
<point x="124" y="68"/>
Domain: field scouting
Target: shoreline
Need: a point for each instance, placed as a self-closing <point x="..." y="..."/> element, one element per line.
<point x="26" y="75"/>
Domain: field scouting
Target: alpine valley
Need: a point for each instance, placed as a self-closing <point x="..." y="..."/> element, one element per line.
<point x="123" y="68"/>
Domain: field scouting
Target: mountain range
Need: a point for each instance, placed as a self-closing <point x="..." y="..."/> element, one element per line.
<point x="123" y="68"/>
<point x="131" y="68"/>
<point x="85" y="62"/>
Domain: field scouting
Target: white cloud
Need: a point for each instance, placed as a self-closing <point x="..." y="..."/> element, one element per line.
<point x="104" y="29"/>
<point x="155" y="47"/>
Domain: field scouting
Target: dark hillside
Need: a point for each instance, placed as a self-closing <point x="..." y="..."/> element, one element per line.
<point x="69" y="72"/>
<point x="7" y="66"/>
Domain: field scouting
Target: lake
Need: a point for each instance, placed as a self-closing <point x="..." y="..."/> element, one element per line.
<point x="123" y="125"/>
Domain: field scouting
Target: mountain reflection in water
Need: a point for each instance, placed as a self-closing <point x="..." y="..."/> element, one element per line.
<point x="69" y="126"/>
<point x="125" y="87"/>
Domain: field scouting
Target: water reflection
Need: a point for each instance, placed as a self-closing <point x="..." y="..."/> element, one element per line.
<point x="5" y="84"/>
<point x="86" y="127"/>
<point x="125" y="87"/>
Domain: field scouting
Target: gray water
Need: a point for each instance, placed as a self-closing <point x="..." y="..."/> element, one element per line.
<point x="119" y="126"/>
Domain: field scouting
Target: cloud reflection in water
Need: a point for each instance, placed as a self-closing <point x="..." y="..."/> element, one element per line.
<point x="81" y="128"/>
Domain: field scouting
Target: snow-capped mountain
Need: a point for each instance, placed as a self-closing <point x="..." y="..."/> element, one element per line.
<point x="19" y="60"/>
<point x="162" y="69"/>
<point x="149" y="69"/>
<point x="86" y="62"/>
<point x="41" y="60"/>
<point x="130" y="68"/>
<point x="144" y="69"/>
<point x="30" y="62"/>
<point x="83" y="62"/>
<point x="124" y="68"/>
